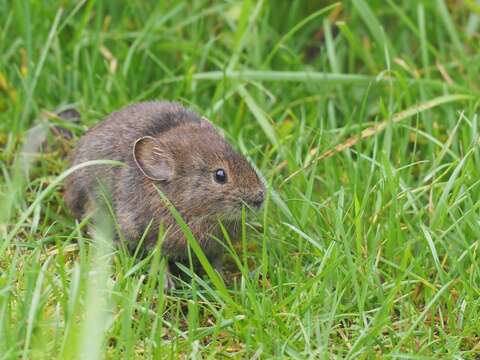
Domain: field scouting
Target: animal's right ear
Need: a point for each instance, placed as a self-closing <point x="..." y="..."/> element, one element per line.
<point x="154" y="162"/>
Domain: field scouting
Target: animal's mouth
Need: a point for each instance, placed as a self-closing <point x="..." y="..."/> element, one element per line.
<point x="235" y="212"/>
<point x="252" y="204"/>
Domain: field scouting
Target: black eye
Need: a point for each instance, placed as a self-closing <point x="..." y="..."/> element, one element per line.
<point x="220" y="176"/>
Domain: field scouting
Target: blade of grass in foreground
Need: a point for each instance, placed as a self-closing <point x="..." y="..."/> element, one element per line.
<point x="98" y="302"/>
<point x="214" y="277"/>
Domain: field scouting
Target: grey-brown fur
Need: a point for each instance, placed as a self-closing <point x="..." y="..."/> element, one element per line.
<point x="166" y="142"/>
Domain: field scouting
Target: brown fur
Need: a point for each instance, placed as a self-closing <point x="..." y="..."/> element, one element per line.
<point x="186" y="143"/>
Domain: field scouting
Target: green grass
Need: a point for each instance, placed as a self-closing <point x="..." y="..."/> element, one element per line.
<point x="362" y="117"/>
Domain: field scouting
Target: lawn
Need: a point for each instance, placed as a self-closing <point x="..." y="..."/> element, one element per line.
<point x="362" y="116"/>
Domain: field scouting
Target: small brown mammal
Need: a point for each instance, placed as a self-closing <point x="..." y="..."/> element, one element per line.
<point x="167" y="146"/>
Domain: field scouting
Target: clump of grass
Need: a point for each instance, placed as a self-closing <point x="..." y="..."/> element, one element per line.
<point x="362" y="117"/>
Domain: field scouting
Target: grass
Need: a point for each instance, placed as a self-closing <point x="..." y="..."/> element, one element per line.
<point x="362" y="117"/>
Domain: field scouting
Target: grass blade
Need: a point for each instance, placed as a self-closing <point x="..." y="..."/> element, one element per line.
<point x="259" y="115"/>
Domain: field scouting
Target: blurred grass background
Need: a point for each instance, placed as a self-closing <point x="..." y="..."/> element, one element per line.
<point x="363" y="118"/>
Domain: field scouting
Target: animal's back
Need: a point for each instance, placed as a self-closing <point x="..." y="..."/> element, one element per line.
<point x="112" y="139"/>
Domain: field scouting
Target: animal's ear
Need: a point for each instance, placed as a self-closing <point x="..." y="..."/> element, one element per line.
<point x="154" y="162"/>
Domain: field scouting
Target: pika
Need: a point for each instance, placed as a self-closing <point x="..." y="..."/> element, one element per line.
<point x="166" y="147"/>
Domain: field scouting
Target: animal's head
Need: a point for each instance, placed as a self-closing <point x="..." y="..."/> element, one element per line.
<point x="199" y="171"/>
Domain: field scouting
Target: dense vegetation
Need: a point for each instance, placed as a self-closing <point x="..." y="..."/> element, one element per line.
<point x="362" y="117"/>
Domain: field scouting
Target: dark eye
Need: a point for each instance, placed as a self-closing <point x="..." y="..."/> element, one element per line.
<point x="220" y="176"/>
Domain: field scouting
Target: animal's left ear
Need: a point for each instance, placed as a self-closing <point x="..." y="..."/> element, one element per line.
<point x="153" y="161"/>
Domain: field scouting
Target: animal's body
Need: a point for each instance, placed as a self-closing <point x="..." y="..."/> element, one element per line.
<point x="163" y="145"/>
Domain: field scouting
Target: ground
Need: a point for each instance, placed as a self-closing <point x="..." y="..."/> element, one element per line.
<point x="362" y="117"/>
